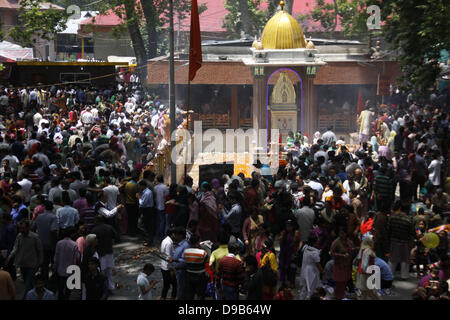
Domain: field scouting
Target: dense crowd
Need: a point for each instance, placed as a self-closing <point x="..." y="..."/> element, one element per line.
<point x="79" y="170"/>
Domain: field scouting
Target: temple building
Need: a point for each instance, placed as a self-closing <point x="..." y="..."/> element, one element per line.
<point x="282" y="80"/>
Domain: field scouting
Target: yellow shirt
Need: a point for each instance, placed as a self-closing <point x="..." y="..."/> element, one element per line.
<point x="218" y="254"/>
<point x="130" y="192"/>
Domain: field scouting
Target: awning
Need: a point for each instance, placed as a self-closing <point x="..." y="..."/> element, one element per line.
<point x="15" y="52"/>
<point x="6" y="60"/>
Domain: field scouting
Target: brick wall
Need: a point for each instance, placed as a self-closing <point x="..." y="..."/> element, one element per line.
<point x="354" y="73"/>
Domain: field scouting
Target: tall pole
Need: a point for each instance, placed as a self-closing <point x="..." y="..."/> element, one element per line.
<point x="173" y="168"/>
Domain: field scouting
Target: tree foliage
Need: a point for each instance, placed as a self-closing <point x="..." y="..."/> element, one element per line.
<point x="350" y="14"/>
<point x="234" y="24"/>
<point x="36" y="23"/>
<point x="418" y="30"/>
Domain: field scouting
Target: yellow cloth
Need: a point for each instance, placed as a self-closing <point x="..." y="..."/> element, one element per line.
<point x="218" y="254"/>
<point x="269" y="257"/>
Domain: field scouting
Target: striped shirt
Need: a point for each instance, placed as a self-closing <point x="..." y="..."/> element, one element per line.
<point x="231" y="271"/>
<point x="195" y="260"/>
<point x="401" y="228"/>
<point x="383" y="186"/>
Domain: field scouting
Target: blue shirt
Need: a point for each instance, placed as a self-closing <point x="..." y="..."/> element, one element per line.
<point x="342" y="176"/>
<point x="385" y="271"/>
<point x="178" y="254"/>
<point x="15" y="213"/>
<point x="146" y="200"/>
<point x="67" y="217"/>
<point x="233" y="217"/>
<point x="32" y="295"/>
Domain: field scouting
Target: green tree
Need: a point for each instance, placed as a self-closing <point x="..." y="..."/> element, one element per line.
<point x="351" y="14"/>
<point x="34" y="23"/>
<point x="417" y="31"/>
<point x="235" y="22"/>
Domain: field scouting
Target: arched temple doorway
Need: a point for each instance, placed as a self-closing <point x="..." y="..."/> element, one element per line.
<point x="284" y="102"/>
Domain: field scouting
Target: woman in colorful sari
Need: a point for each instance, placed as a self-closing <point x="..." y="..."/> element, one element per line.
<point x="250" y="230"/>
<point x="341" y="251"/>
<point x="209" y="219"/>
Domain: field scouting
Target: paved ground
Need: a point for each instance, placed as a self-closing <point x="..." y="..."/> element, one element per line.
<point x="131" y="255"/>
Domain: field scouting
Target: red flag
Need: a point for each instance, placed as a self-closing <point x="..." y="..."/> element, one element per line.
<point x="195" y="55"/>
<point x="360" y="101"/>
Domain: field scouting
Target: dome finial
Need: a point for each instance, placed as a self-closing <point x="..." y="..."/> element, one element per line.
<point x="282" y="5"/>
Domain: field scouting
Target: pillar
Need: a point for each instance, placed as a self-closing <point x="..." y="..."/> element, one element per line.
<point x="259" y="104"/>
<point x="309" y="112"/>
<point x="234" y="107"/>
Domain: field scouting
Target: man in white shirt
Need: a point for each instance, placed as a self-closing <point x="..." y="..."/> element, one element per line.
<point x="37" y="117"/>
<point x="160" y="190"/>
<point x="162" y="143"/>
<point x="314" y="184"/>
<point x="145" y="286"/>
<point x="129" y="106"/>
<point x="87" y="117"/>
<point x="434" y="170"/>
<point x="26" y="187"/>
<point x="168" y="273"/>
<point x="112" y="194"/>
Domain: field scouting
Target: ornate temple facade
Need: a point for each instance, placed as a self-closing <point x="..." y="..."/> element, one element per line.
<point x="282" y="80"/>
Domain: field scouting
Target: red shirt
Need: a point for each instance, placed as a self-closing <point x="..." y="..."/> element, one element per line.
<point x="231" y="271"/>
<point x="170" y="208"/>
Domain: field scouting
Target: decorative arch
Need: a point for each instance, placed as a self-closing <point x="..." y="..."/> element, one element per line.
<point x="283" y="91"/>
<point x="268" y="101"/>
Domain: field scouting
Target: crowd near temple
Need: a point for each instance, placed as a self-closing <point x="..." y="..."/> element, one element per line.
<point x="361" y="184"/>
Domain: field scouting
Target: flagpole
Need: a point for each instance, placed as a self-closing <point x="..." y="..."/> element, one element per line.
<point x="188" y="105"/>
<point x="173" y="168"/>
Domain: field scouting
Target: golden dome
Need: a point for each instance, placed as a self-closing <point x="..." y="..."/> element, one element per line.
<point x="282" y="31"/>
<point x="310" y="45"/>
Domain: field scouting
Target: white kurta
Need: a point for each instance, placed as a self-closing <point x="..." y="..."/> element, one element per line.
<point x="310" y="275"/>
<point x="366" y="121"/>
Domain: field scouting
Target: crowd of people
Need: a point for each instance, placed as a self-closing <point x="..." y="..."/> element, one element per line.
<point x="79" y="172"/>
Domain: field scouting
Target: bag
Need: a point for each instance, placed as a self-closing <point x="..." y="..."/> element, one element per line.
<point x="210" y="290"/>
